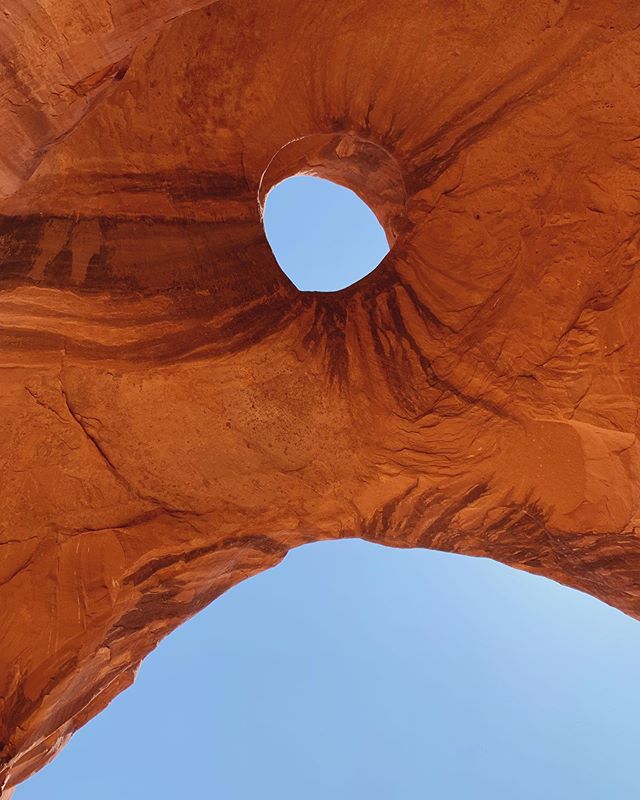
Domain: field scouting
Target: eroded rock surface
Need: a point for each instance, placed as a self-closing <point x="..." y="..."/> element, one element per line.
<point x="56" y="60"/>
<point x="175" y="415"/>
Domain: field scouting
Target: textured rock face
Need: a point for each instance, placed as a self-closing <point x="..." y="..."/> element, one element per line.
<point x="56" y="59"/>
<point x="175" y="415"/>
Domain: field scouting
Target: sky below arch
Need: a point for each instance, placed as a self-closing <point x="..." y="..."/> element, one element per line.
<point x="357" y="672"/>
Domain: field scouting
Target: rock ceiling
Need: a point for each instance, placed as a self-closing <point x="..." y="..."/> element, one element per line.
<point x="175" y="415"/>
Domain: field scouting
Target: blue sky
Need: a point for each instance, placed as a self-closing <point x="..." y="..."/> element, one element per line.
<point x="323" y="235"/>
<point x="356" y="672"/>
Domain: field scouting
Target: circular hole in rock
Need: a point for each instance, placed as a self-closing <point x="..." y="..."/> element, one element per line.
<point x="324" y="237"/>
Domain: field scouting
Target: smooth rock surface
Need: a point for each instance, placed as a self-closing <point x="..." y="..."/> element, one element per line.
<point x="175" y="415"/>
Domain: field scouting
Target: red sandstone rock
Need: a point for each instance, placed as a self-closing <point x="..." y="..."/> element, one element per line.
<point x="175" y="415"/>
<point x="56" y="60"/>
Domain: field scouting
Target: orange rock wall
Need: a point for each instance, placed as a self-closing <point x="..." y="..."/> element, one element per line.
<point x="175" y="415"/>
<point x="56" y="60"/>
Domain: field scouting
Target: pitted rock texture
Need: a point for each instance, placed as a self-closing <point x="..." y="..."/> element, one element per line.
<point x="175" y="415"/>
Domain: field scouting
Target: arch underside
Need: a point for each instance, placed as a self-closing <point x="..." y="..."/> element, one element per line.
<point x="175" y="415"/>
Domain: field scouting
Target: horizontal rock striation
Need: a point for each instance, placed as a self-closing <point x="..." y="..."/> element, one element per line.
<point x="175" y="415"/>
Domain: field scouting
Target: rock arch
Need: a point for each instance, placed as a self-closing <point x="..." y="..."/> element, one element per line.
<point x="175" y="416"/>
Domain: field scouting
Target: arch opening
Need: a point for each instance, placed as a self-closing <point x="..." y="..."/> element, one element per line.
<point x="309" y="177"/>
<point x="356" y="670"/>
<point x="324" y="237"/>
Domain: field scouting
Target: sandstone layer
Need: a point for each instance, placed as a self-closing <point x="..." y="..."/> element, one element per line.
<point x="175" y="415"/>
<point x="56" y="60"/>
